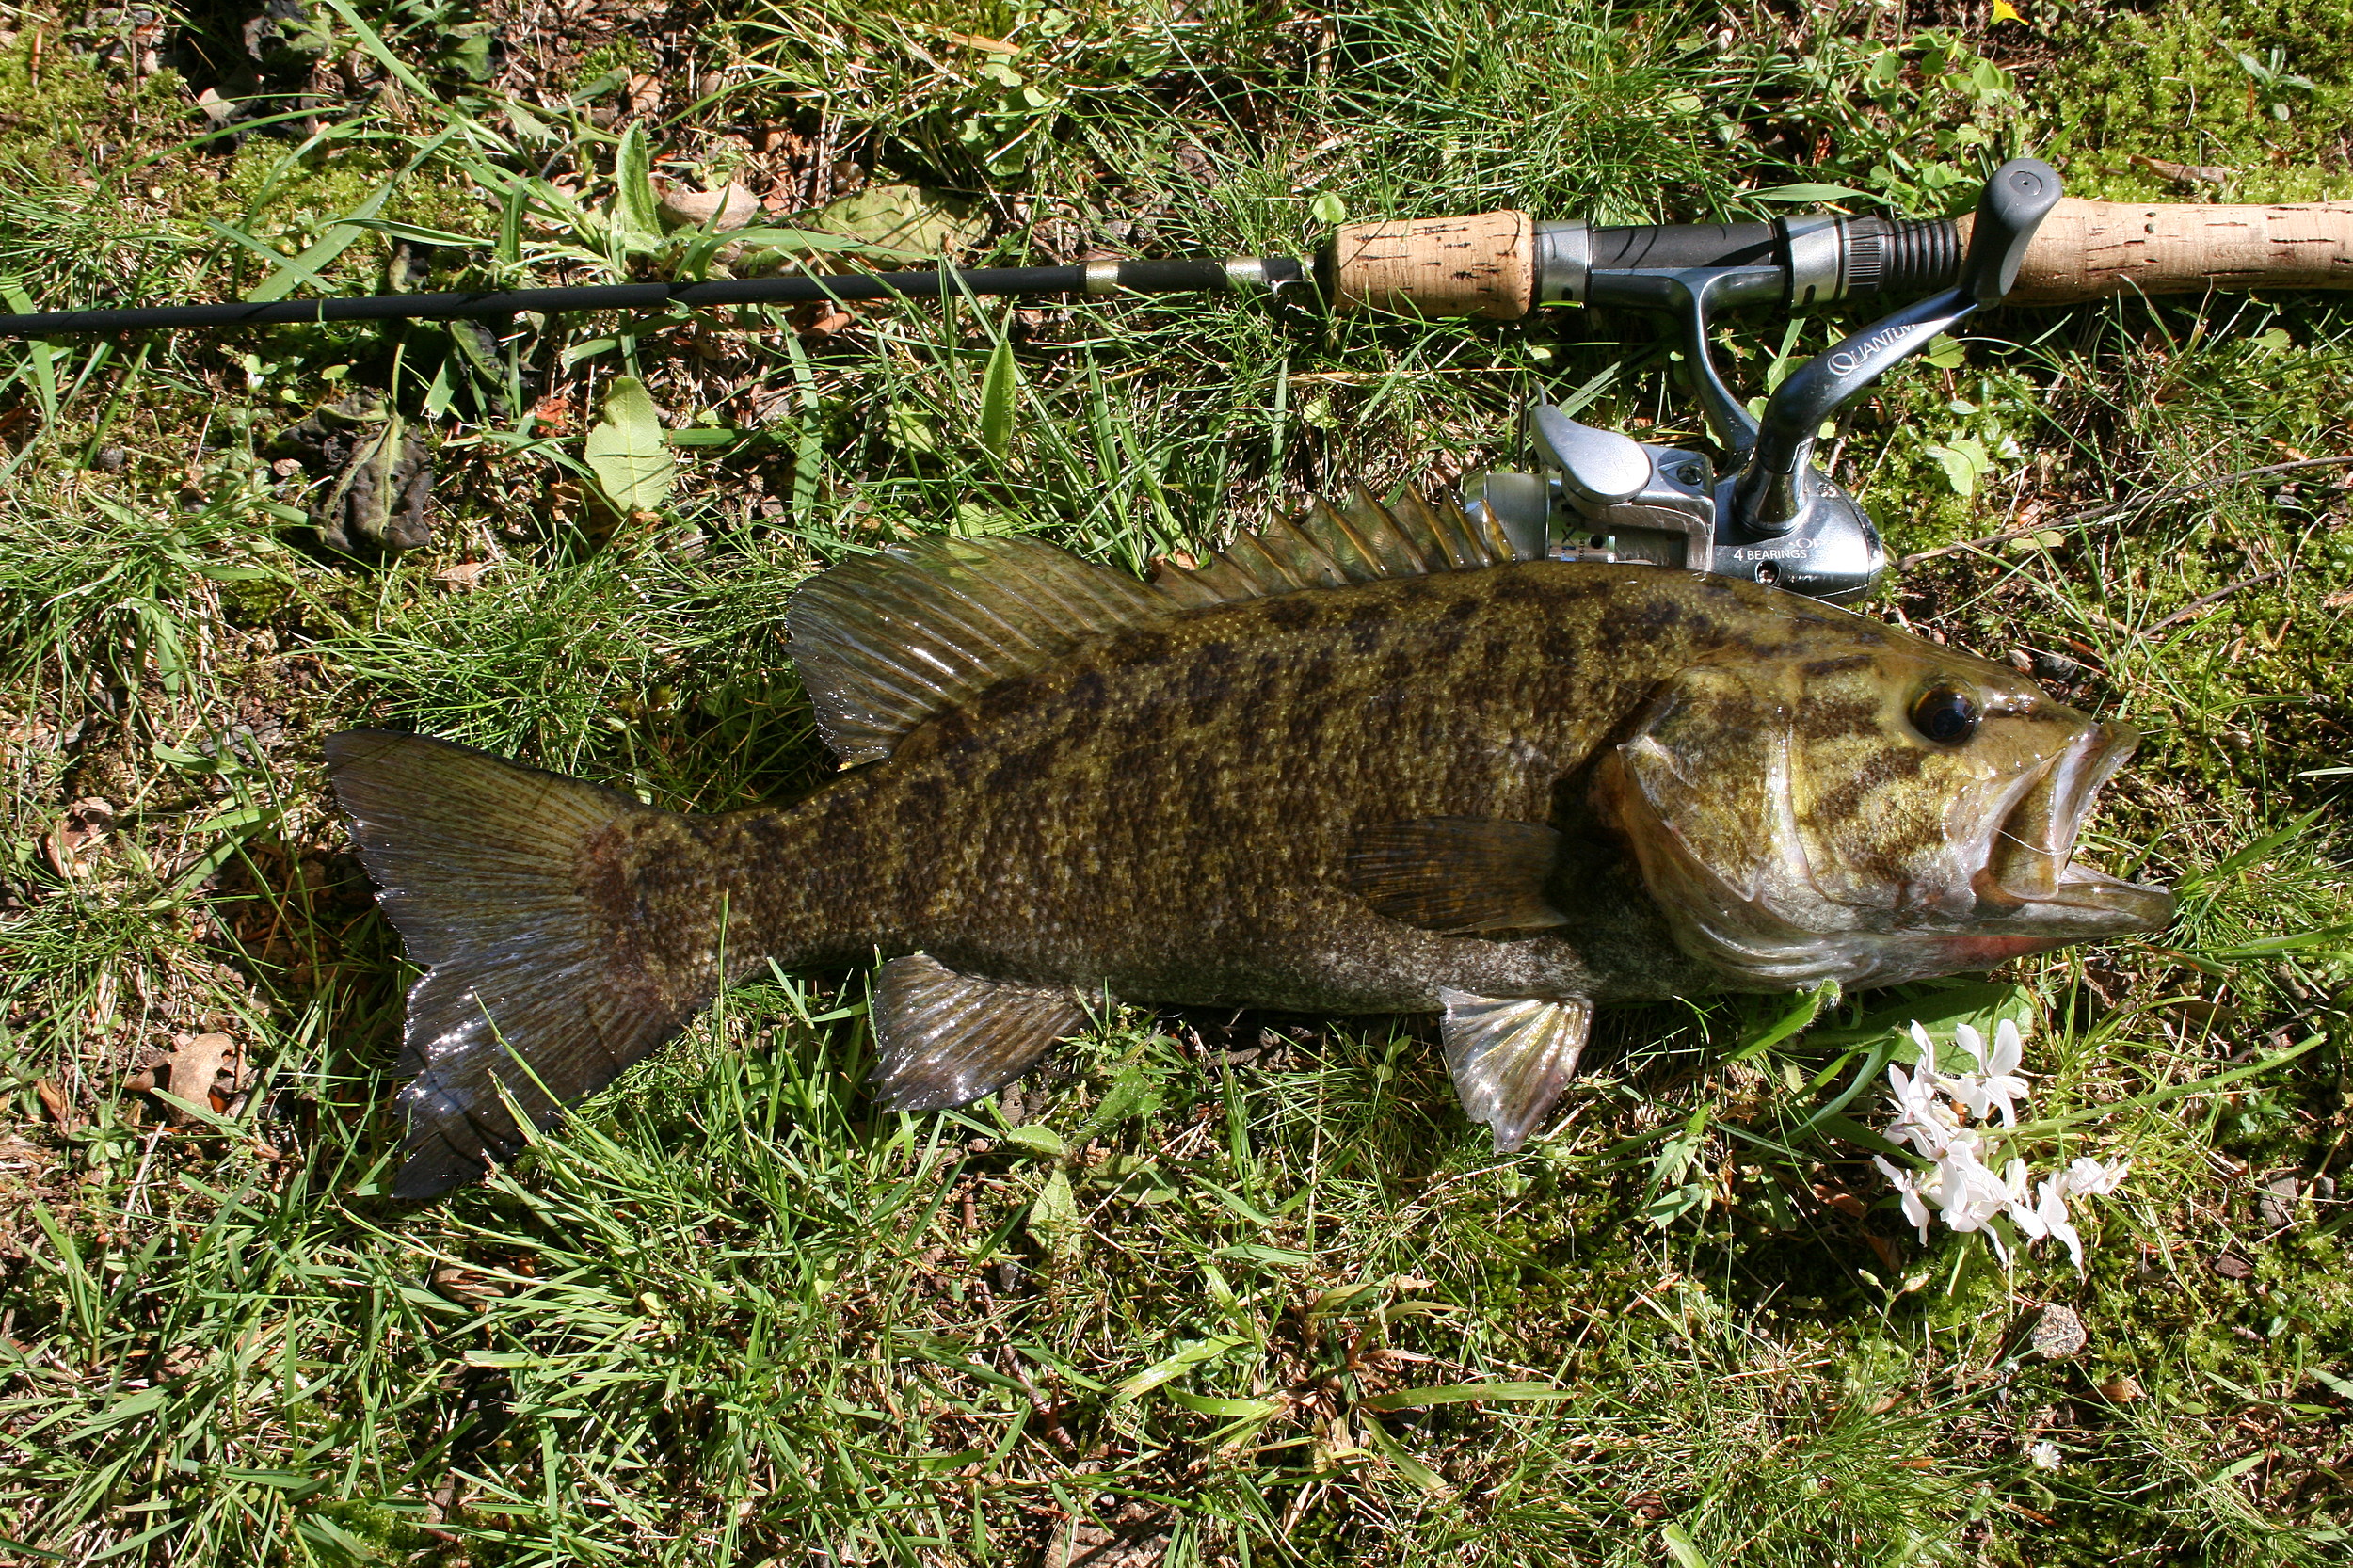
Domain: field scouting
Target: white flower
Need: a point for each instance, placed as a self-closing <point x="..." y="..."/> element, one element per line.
<point x="1998" y="1080"/>
<point x="1923" y="1118"/>
<point x="2045" y="1456"/>
<point x="1967" y="1193"/>
<point x="1915" y="1210"/>
<point x="2088" y="1178"/>
<point x="2052" y="1212"/>
<point x="2018" y="1200"/>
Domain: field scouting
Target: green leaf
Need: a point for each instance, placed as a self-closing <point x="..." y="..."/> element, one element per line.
<point x="906" y="219"/>
<point x="1328" y="208"/>
<point x="636" y="217"/>
<point x="1132" y="1096"/>
<point x="1000" y="389"/>
<point x="1055" y="1212"/>
<point x="1964" y="462"/>
<point x="1795" y="1019"/>
<point x="1407" y="1465"/>
<point x="1681" y="1547"/>
<point x="626" y="453"/>
<point x="1038" y="1142"/>
<point x="1232" y="1410"/>
<point x="1461" y="1392"/>
<point x="1810" y="192"/>
<point x="1199" y="1352"/>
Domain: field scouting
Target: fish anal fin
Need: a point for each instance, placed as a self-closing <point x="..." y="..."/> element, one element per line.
<point x="944" y="1039"/>
<point x="1458" y="875"/>
<point x="1511" y="1059"/>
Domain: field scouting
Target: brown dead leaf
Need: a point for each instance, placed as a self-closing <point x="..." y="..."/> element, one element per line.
<point x="645" y="94"/>
<point x="1841" y="1200"/>
<point x="2183" y="174"/>
<point x="2123" y="1388"/>
<point x="83" y="826"/>
<point x="2341" y="600"/>
<point x="730" y="207"/>
<point x="463" y="577"/>
<point x="820" y="319"/>
<point x="553" y="414"/>
<point x="195" y="1072"/>
<point x="54" y="1101"/>
<point x="1883" y="1250"/>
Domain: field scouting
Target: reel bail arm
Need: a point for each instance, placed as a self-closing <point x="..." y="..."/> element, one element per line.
<point x="1778" y="518"/>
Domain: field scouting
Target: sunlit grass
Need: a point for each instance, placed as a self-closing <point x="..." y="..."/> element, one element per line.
<point x="731" y="1312"/>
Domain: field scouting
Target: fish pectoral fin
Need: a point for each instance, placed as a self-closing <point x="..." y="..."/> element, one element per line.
<point x="1509" y="1060"/>
<point x="1458" y="875"/>
<point x="944" y="1039"/>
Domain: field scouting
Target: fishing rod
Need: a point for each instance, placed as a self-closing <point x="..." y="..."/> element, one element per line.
<point x="1772" y="516"/>
<point x="1498" y="264"/>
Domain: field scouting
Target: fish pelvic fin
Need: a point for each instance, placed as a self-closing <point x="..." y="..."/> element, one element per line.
<point x="1510" y="1060"/>
<point x="944" y="1039"/>
<point x="501" y="880"/>
<point x="1457" y="875"/>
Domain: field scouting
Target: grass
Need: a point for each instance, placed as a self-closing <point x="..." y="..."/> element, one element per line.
<point x="1210" y="1290"/>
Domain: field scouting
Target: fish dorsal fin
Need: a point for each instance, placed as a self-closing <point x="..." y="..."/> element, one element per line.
<point x="887" y="642"/>
<point x="1327" y="546"/>
<point x="1511" y="1059"/>
<point x="944" y="1039"/>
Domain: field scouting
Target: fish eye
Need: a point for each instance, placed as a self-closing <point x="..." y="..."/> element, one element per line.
<point x="1945" y="714"/>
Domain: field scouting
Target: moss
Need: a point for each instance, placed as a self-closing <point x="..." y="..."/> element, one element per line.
<point x="2206" y="84"/>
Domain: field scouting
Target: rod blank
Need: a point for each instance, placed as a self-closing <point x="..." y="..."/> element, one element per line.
<point x="459" y="305"/>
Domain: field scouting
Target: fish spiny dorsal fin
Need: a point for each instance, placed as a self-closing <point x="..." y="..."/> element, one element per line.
<point x="1326" y="546"/>
<point x="888" y="641"/>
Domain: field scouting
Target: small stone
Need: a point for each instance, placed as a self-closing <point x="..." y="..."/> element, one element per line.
<point x="110" y="459"/>
<point x="2278" y="1202"/>
<point x="2230" y="1265"/>
<point x="2059" y="1334"/>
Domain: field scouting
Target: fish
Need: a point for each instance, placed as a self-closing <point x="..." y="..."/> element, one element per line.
<point x="1376" y="759"/>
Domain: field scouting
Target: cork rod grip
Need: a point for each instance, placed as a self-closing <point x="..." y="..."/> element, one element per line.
<point x="2094" y="250"/>
<point x="1484" y="266"/>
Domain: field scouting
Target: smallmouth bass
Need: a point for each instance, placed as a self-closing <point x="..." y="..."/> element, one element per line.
<point x="1369" y="760"/>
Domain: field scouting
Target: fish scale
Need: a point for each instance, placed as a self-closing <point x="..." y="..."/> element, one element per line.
<point x="1369" y="760"/>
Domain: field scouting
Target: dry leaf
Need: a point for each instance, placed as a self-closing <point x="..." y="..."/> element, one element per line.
<point x="86" y="824"/>
<point x="197" y="1064"/>
<point x="464" y="576"/>
<point x="2183" y="174"/>
<point x="54" y="1101"/>
<point x="2123" y="1388"/>
<point x="731" y="207"/>
<point x="645" y="94"/>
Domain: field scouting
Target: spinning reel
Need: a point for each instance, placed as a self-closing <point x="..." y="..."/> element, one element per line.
<point x="1770" y="515"/>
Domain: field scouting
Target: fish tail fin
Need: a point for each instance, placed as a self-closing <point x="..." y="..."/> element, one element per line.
<point x="510" y="886"/>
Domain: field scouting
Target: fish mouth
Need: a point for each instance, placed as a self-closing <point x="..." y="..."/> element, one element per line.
<point x="2031" y="885"/>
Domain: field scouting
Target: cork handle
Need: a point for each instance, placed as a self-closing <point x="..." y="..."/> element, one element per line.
<point x="1435" y="266"/>
<point x="2093" y="250"/>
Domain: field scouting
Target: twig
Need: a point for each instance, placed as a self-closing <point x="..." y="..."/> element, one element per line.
<point x="2191" y="610"/>
<point x="2099" y="514"/>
